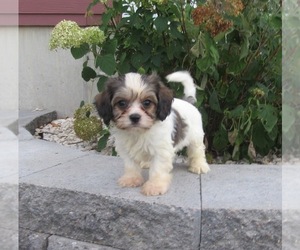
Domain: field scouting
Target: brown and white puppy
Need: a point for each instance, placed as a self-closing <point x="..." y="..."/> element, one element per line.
<point x="150" y="126"/>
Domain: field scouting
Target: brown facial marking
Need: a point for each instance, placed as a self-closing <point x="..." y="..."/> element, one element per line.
<point x="103" y="99"/>
<point x="163" y="94"/>
<point x="179" y="128"/>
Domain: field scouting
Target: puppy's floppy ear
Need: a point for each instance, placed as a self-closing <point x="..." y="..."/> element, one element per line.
<point x="164" y="96"/>
<point x="165" y="99"/>
<point x="103" y="105"/>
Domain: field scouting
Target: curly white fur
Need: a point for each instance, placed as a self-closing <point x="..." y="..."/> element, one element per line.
<point x="154" y="147"/>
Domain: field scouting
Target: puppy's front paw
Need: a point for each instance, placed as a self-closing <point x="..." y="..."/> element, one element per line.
<point x="151" y="188"/>
<point x="131" y="181"/>
<point x="200" y="169"/>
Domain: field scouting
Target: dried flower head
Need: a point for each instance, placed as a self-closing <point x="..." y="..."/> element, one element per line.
<point x="67" y="34"/>
<point x="212" y="14"/>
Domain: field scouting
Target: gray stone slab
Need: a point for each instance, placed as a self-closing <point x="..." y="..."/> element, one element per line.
<point x="241" y="207"/>
<point x="29" y="240"/>
<point x="291" y="187"/>
<point x="61" y="243"/>
<point x="79" y="198"/>
<point x="290" y="229"/>
<point x="9" y="206"/>
<point x="242" y="187"/>
<point x="104" y="220"/>
<point x="241" y="229"/>
<point x="291" y="206"/>
<point x="37" y="155"/>
<point x="8" y="239"/>
<point x="8" y="156"/>
<point x="8" y="216"/>
<point x="97" y="174"/>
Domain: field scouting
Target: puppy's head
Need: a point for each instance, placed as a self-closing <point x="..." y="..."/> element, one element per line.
<point x="134" y="101"/>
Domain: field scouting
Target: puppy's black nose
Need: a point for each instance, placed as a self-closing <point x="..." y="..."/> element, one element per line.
<point x="135" y="118"/>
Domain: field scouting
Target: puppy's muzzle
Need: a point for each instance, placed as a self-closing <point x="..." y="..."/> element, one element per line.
<point x="135" y="118"/>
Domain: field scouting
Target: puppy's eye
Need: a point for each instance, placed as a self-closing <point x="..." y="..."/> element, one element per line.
<point x="122" y="104"/>
<point x="146" y="103"/>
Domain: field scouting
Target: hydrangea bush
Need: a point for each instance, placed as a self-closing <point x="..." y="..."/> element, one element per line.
<point x="231" y="47"/>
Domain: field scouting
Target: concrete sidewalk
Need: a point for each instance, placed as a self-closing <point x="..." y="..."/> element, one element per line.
<point x="69" y="197"/>
<point x="8" y="180"/>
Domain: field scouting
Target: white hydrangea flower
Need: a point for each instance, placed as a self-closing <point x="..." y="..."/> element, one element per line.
<point x="67" y="34"/>
<point x="93" y="35"/>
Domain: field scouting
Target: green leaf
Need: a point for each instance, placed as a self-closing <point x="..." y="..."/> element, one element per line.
<point x="214" y="54"/>
<point x="85" y="63"/>
<point x="220" y="140"/>
<point x="175" y="32"/>
<point x="101" y="83"/>
<point x="236" y="150"/>
<point x="103" y="141"/>
<point x="81" y="51"/>
<point x="237" y="112"/>
<point x="137" y="61"/>
<point x="244" y="48"/>
<point x="88" y="73"/>
<point x="235" y="66"/>
<point x="204" y="63"/>
<point x="268" y="116"/>
<point x="107" y="64"/>
<point x="135" y="20"/>
<point x="124" y="67"/>
<point x="175" y="10"/>
<point x="156" y="60"/>
<point x="203" y="82"/>
<point x="161" y="23"/>
<point x="105" y="18"/>
<point x="248" y="126"/>
<point x="214" y="102"/>
<point x="195" y="50"/>
<point x="260" y="139"/>
<point x="110" y="47"/>
<point x="276" y="22"/>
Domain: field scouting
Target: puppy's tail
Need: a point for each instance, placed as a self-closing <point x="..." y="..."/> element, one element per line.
<point x="188" y="83"/>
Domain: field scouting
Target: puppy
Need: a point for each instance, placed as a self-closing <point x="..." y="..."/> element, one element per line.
<point x="150" y="126"/>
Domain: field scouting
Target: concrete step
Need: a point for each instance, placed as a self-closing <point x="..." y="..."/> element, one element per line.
<point x="67" y="195"/>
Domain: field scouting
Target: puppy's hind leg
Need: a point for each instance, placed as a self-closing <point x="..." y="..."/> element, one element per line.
<point x="196" y="158"/>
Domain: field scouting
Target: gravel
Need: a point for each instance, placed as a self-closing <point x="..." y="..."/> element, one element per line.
<point x="61" y="131"/>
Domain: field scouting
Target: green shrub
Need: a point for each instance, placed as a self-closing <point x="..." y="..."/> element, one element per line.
<point x="231" y="47"/>
<point x="87" y="126"/>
